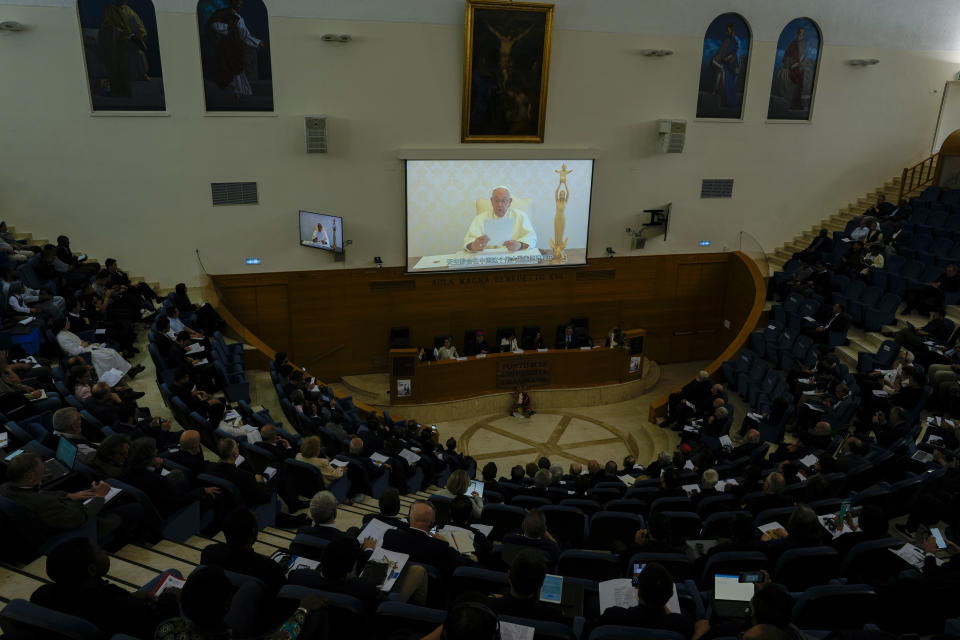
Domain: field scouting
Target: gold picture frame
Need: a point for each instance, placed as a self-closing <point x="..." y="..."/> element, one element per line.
<point x="505" y="70"/>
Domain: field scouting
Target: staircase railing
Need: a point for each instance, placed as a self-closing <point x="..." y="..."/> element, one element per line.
<point x="751" y="247"/>
<point x="918" y="176"/>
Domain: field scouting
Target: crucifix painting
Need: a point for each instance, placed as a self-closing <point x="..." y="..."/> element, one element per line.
<point x="506" y="65"/>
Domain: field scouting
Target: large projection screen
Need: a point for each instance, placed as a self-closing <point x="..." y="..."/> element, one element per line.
<point x="497" y="214"/>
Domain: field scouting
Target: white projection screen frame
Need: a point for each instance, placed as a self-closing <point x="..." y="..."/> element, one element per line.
<point x="448" y="202"/>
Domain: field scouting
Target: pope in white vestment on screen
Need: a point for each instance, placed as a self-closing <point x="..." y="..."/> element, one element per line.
<point x="522" y="235"/>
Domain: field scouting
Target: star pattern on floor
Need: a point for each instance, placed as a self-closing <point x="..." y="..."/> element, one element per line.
<point x="550" y="434"/>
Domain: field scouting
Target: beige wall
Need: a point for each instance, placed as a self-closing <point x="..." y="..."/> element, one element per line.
<point x="138" y="187"/>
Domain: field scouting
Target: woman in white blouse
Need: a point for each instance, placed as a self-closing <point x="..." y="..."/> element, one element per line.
<point x="104" y="358"/>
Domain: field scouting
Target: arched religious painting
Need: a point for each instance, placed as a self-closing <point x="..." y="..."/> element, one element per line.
<point x="235" y="55"/>
<point x="795" y="71"/>
<point x="723" y="69"/>
<point x="122" y="52"/>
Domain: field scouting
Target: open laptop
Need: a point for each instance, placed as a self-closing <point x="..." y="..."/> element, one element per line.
<point x="62" y="463"/>
<point x="731" y="598"/>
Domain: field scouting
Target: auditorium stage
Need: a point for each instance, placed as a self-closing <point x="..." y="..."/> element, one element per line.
<point x="570" y="425"/>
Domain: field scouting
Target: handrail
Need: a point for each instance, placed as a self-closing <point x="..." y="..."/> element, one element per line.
<point x="211" y="294"/>
<point x="919" y="175"/>
<point x="659" y="406"/>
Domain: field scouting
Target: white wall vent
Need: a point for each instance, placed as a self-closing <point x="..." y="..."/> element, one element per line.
<point x="316" y="132"/>
<point x="672" y="135"/>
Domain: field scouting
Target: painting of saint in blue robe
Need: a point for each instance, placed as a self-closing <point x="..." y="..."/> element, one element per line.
<point x="723" y="70"/>
<point x="235" y="55"/>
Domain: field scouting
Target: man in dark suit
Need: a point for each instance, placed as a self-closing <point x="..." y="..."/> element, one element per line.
<point x="339" y="560"/>
<point x="196" y="400"/>
<point x="535" y="536"/>
<point x="835" y="321"/>
<point x="78" y="568"/>
<point x="461" y="510"/>
<point x="104" y="404"/>
<point x="252" y="487"/>
<point x="851" y="455"/>
<point x="422" y="546"/>
<point x="276" y="444"/>
<point x="568" y="340"/>
<point x="708" y="487"/>
<point x="526" y="575"/>
<point x="188" y="454"/>
<point x="751" y="441"/>
<point x="361" y="471"/>
<point x="323" y="513"/>
<point x="240" y="529"/>
<point x="772" y="497"/>
<point x="58" y="511"/>
<point x="653" y="592"/>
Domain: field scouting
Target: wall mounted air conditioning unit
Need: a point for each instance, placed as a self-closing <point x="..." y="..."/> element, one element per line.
<point x="672" y="134"/>
<point x="316" y="133"/>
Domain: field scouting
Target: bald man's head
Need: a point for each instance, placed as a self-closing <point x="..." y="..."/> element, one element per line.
<point x="422" y="515"/>
<point x="268" y="433"/>
<point x="752" y="436"/>
<point x="356" y="447"/>
<point x="190" y="441"/>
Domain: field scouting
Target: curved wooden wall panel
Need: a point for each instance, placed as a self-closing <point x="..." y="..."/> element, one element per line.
<point x="337" y="323"/>
<point x="743" y="305"/>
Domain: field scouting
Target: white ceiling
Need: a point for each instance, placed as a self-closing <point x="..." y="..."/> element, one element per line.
<point x="904" y="24"/>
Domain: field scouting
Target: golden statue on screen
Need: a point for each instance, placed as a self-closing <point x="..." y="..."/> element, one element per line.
<point x="562" y="195"/>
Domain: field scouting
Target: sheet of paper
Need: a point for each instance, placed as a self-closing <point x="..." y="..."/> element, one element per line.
<point x="688" y="465"/>
<point x="4" y="439"/>
<point x="164" y="472"/>
<point x="111" y="377"/>
<point x="26" y="321"/>
<point x="617" y="593"/>
<point x="107" y="498"/>
<point x="770" y="527"/>
<point x="409" y="456"/>
<point x="627" y="480"/>
<point x="809" y="318"/>
<point x="725" y="441"/>
<point x="195" y="348"/>
<point x="378" y="458"/>
<point x="240" y="460"/>
<point x="396" y="561"/>
<point x="485" y="529"/>
<point x="170" y="582"/>
<point x="690" y="488"/>
<point x="374" y="529"/>
<point x="100" y="332"/>
<point x="339" y="463"/>
<point x="303" y="563"/>
<point x="511" y="631"/>
<point x="828" y="521"/>
<point x="911" y="554"/>
<point x="880" y="393"/>
<point x="199" y="363"/>
<point x="231" y="415"/>
<point x="808" y="460"/>
<point x="43" y="396"/>
<point x="755" y="416"/>
<point x="673" y="604"/>
<point x="269" y="472"/>
<point x="498" y="230"/>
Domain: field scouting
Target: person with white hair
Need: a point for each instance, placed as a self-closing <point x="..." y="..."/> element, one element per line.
<point x="522" y="234"/>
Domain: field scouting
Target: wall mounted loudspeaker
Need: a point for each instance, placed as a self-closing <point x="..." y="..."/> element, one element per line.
<point x="316" y="133"/>
<point x="672" y="134"/>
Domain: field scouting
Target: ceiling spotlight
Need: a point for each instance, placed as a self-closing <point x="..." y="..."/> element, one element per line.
<point x="656" y="53"/>
<point x="12" y="25"/>
<point x="334" y="37"/>
<point x="345" y="37"/>
<point x="862" y="62"/>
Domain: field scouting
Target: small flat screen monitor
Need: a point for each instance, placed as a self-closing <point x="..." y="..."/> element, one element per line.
<point x="321" y="231"/>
